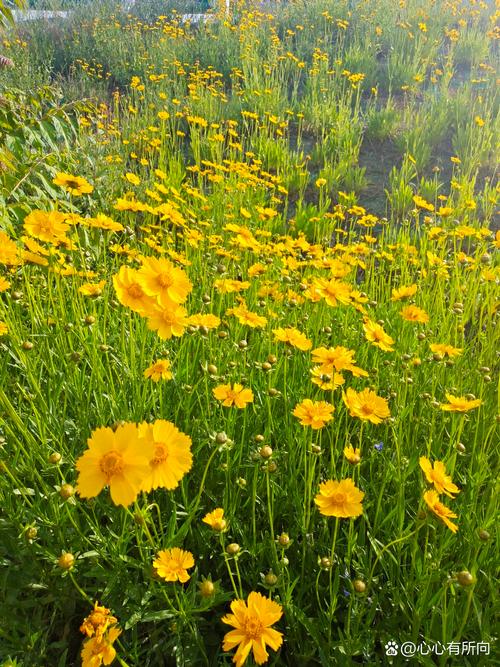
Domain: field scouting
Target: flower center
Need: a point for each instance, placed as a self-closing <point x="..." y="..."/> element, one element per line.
<point x="111" y="464"/>
<point x="135" y="291"/>
<point x="366" y="409"/>
<point x="70" y="183"/>
<point x="253" y="628"/>
<point x="161" y="453"/>
<point x="165" y="280"/>
<point x="339" y="498"/>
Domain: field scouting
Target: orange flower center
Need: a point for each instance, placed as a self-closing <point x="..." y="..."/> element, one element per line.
<point x="111" y="464"/>
<point x="253" y="628"/>
<point x="338" y="498"/>
<point x="71" y="183"/>
<point x="366" y="409"/>
<point x="135" y="291"/>
<point x="161" y="453"/>
<point x="165" y="280"/>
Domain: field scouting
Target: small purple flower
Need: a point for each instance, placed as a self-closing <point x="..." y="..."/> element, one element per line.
<point x="379" y="446"/>
<point x="345" y="592"/>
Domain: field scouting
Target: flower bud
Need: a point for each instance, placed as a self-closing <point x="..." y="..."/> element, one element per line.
<point x="221" y="438"/>
<point x="270" y="579"/>
<point x="66" y="561"/>
<point x="66" y="491"/>
<point x="359" y="586"/>
<point x="55" y="457"/>
<point x="483" y="535"/>
<point x="207" y="588"/>
<point x="465" y="578"/>
<point x="212" y="369"/>
<point x="232" y="549"/>
<point x="27" y="345"/>
<point x="266" y="452"/>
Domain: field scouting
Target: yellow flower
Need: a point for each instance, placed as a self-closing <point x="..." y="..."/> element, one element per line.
<point x="326" y="380"/>
<point x="99" y="650"/>
<point x="314" y="414"/>
<point x="340" y="499"/>
<point x="236" y="395"/>
<point x="98" y="621"/>
<point x="4" y="284"/>
<point x="437" y="475"/>
<point x="445" y="350"/>
<point x="337" y="359"/>
<point x="171" y="458"/>
<point x="405" y="292"/>
<point x="133" y="178"/>
<point x="352" y="454"/>
<point x="167" y="322"/>
<point x="47" y="226"/>
<point x="252" y="623"/>
<point x="216" y="520"/>
<point x="460" y="404"/>
<point x="129" y="290"/>
<point x="172" y="564"/>
<point x="376" y="335"/>
<point x="4" y="328"/>
<point x="75" y="185"/>
<point x="207" y="320"/>
<point x="444" y="513"/>
<point x="161" y="279"/>
<point x="414" y="314"/>
<point x="159" y="370"/>
<point x="320" y="182"/>
<point x="366" y="405"/>
<point x="333" y="291"/>
<point x="92" y="289"/>
<point x="293" y="337"/>
<point x="118" y="459"/>
<point x="245" y="316"/>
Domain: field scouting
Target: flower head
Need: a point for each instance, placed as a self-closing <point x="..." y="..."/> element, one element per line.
<point x="118" y="459"/>
<point x="171" y="458"/>
<point x="366" y="405"/>
<point x="252" y="621"/>
<point x="173" y="564"/>
<point x="352" y="454"/>
<point x="98" y="621"/>
<point x="376" y="335"/>
<point x="236" y="395"/>
<point x="405" y="292"/>
<point x="100" y="650"/>
<point x="163" y="280"/>
<point x="75" y="185"/>
<point x="414" y="314"/>
<point x="460" y="404"/>
<point x="337" y="359"/>
<point x="293" y="337"/>
<point x="216" y="520"/>
<point x="431" y="497"/>
<point x="341" y="499"/>
<point x="159" y="370"/>
<point x="445" y="350"/>
<point x="314" y="414"/>
<point x="437" y="475"/>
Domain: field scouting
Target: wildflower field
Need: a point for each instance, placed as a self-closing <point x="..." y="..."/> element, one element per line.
<point x="249" y="327"/>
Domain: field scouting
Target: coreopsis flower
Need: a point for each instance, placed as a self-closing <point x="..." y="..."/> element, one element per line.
<point x="437" y="475"/>
<point x="333" y="291"/>
<point x="404" y="292"/>
<point x="445" y="350"/>
<point x="314" y="414"/>
<point x="337" y="359"/>
<point x="102" y="221"/>
<point x="245" y="316"/>
<point x="100" y="650"/>
<point x="340" y="499"/>
<point x="75" y="185"/>
<point x="207" y="320"/>
<point x="4" y="284"/>
<point x="236" y="395"/>
<point x="352" y="454"/>
<point x="4" y="328"/>
<point x="173" y="564"/>
<point x="118" y="459"/>
<point x="132" y="178"/>
<point x="414" y="314"/>
<point x="326" y="381"/>
<point x="228" y="286"/>
<point x="163" y="280"/>
<point x="159" y="370"/>
<point x="293" y="337"/>
<point x="129" y="290"/>
<point x="98" y="621"/>
<point x="172" y="457"/>
<point x="252" y="623"/>
<point x="431" y="498"/>
<point x="366" y="405"/>
<point x="167" y="322"/>
<point x="92" y="289"/>
<point x="216" y="520"/>
<point x="49" y="226"/>
<point x="10" y="254"/>
<point x="460" y="404"/>
<point x="375" y="334"/>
